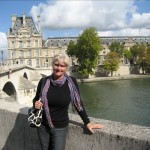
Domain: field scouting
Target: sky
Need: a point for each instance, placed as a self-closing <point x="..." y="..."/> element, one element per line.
<point x="69" y="18"/>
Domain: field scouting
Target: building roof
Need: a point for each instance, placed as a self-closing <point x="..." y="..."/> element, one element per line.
<point x="28" y="23"/>
<point x="64" y="41"/>
<point x="59" y="42"/>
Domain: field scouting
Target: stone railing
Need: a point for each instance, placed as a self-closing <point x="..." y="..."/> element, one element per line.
<point x="15" y="134"/>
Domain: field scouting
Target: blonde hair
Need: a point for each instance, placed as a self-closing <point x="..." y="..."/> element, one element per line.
<point x="61" y="58"/>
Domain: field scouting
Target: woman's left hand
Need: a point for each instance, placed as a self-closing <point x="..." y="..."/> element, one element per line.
<point x="92" y="126"/>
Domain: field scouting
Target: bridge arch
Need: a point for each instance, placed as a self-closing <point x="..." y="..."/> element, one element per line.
<point x="10" y="90"/>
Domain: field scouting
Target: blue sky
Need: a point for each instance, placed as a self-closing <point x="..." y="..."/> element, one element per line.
<point x="70" y="17"/>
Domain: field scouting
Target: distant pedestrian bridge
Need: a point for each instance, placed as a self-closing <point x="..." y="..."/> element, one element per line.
<point x="19" y="83"/>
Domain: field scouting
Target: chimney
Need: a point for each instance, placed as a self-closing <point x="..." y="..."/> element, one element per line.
<point x="13" y="20"/>
<point x="24" y="19"/>
<point x="39" y="25"/>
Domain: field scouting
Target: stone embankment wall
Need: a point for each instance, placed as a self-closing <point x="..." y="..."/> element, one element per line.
<point x="16" y="135"/>
<point x="126" y="77"/>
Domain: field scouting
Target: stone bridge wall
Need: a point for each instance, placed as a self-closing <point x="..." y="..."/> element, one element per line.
<point x="23" y="81"/>
<point x="16" y="135"/>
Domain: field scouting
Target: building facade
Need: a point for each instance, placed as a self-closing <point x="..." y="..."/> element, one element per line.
<point x="26" y="46"/>
<point x="24" y="41"/>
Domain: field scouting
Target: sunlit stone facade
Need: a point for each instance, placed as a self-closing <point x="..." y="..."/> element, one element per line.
<point x="24" y="41"/>
<point x="26" y="46"/>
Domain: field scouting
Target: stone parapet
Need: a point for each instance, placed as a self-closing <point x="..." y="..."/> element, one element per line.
<point x="17" y="135"/>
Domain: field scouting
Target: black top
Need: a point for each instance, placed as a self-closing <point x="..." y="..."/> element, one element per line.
<point x="58" y="101"/>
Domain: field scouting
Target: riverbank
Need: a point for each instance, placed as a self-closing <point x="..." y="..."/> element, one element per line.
<point x="124" y="77"/>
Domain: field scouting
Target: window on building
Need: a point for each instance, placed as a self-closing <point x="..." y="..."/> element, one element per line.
<point x="29" y="53"/>
<point x="59" y="45"/>
<point x="13" y="44"/>
<point x="46" y="63"/>
<point x="21" y="61"/>
<point x="20" y="44"/>
<point x="37" y="52"/>
<point x="46" y="52"/>
<point x="36" y="43"/>
<point x="13" y="54"/>
<point x="14" y="62"/>
<point x="53" y="53"/>
<point x="21" y="54"/>
<point x="51" y="59"/>
<point x="28" y="43"/>
<point x="37" y="63"/>
<point x="29" y="62"/>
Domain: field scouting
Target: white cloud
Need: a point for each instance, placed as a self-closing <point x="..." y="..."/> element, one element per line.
<point x="109" y="17"/>
<point x="3" y="44"/>
<point x="126" y="32"/>
<point x="141" y="21"/>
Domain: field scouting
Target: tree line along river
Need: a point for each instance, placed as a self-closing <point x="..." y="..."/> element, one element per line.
<point x="125" y="101"/>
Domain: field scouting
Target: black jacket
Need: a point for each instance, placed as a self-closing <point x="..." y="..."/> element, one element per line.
<point x="58" y="101"/>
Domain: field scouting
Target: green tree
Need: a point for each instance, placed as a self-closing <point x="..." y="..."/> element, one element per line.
<point x="127" y="55"/>
<point x="147" y="61"/>
<point x="147" y="58"/>
<point x="117" y="47"/>
<point x="135" y="52"/>
<point x="141" y="61"/>
<point x="148" y="47"/>
<point x="87" y="51"/>
<point x="111" y="62"/>
<point x="71" y="49"/>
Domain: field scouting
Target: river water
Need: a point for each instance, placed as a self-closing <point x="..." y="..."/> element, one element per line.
<point x="125" y="101"/>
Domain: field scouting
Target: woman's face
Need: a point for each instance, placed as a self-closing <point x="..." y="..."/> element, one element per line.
<point x="59" y="68"/>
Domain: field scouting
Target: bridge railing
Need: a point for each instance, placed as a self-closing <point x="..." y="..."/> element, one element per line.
<point x="16" y="134"/>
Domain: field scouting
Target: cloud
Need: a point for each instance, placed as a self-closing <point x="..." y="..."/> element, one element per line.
<point x="125" y="32"/>
<point x="140" y="21"/>
<point x="3" y="44"/>
<point x="108" y="17"/>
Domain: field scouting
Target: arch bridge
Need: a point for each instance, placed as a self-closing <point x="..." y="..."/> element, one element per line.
<point x="19" y="84"/>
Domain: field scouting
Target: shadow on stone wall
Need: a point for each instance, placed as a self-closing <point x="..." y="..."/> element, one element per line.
<point x="20" y="135"/>
<point x="101" y="72"/>
<point x="17" y="135"/>
<point x="134" y="69"/>
<point x="85" y="131"/>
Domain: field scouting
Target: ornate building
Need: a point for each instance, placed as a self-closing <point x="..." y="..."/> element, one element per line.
<point x="24" y="41"/>
<point x="26" y="46"/>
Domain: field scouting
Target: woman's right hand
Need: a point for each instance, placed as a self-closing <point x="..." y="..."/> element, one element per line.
<point x="38" y="104"/>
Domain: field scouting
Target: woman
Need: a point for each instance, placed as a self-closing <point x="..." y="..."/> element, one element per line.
<point x="58" y="91"/>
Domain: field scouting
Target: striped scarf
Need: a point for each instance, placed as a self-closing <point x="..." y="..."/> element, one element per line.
<point x="74" y="94"/>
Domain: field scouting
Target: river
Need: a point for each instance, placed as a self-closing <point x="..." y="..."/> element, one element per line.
<point x="125" y="101"/>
